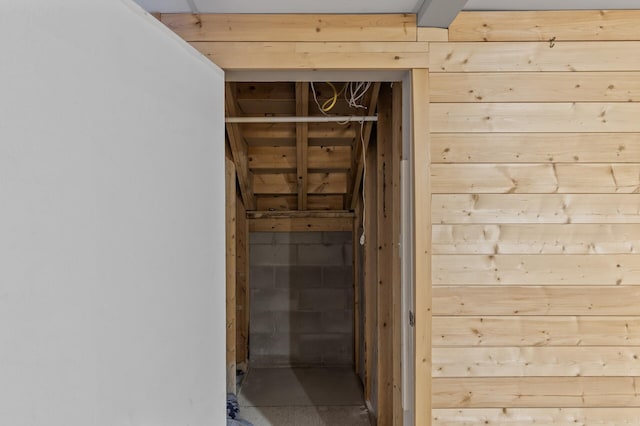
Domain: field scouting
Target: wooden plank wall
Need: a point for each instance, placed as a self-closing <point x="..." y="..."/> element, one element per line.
<point x="535" y="168"/>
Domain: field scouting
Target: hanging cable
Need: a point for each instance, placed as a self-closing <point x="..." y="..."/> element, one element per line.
<point x="364" y="176"/>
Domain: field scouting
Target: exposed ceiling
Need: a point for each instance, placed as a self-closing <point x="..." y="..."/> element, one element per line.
<point x="367" y="6"/>
<point x="299" y="167"/>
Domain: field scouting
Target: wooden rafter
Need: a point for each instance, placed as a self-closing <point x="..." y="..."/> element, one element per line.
<point x="238" y="149"/>
<point x="300" y="221"/>
<point x="356" y="173"/>
<point x="302" y="142"/>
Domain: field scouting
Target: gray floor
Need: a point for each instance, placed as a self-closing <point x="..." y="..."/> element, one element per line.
<point x="302" y="396"/>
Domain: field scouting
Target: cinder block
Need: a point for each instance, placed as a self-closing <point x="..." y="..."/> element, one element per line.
<point x="261" y="237"/>
<point x="298" y="277"/>
<point x="304" y="355"/>
<point x="272" y="300"/>
<point x="337" y="237"/>
<point x="317" y="254"/>
<point x="269" y="344"/>
<point x="339" y="351"/>
<point x="262" y="277"/>
<point x="348" y="254"/>
<point x="322" y="300"/>
<point x="337" y="277"/>
<point x="332" y="349"/>
<point x="269" y="255"/>
<point x="298" y="237"/>
<point x="338" y="322"/>
<point x="262" y="322"/>
<point x="298" y="322"/>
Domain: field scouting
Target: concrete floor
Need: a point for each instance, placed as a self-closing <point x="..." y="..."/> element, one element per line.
<point x="302" y="396"/>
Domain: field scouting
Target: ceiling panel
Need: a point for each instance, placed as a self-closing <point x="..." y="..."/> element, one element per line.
<point x="281" y="6"/>
<point x="551" y="4"/>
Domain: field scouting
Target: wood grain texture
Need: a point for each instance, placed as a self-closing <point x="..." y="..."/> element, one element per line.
<point x="292" y="27"/>
<point x="279" y="134"/>
<point x="242" y="286"/>
<point x="422" y="239"/>
<point x="574" y="25"/>
<point x="540" y="361"/>
<point x="286" y="183"/>
<point x="619" y="416"/>
<point x="231" y="262"/>
<point x="534" y="56"/>
<point x="537" y="239"/>
<point x="543" y="392"/>
<point x="315" y="55"/>
<point x="535" y="147"/>
<point x="540" y="269"/>
<point x="536" y="178"/>
<point x="536" y="87"/>
<point x="309" y="224"/>
<point x="432" y="34"/>
<point x="451" y="331"/>
<point x="536" y="300"/>
<point x="536" y="208"/>
<point x="535" y="117"/>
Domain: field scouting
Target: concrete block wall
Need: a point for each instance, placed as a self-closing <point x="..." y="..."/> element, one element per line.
<point x="301" y="299"/>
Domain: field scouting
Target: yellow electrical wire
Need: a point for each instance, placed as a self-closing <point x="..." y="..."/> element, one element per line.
<point x="331" y="102"/>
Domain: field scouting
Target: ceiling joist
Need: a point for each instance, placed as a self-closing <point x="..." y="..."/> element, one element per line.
<point x="302" y="142"/>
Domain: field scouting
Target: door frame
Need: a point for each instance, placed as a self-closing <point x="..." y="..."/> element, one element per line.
<point x="415" y="356"/>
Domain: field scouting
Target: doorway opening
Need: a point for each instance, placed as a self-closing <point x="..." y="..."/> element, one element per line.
<point x="314" y="294"/>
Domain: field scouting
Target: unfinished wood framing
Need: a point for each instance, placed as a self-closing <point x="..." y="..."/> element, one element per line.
<point x="242" y="286"/>
<point x="300" y="221"/>
<point x="385" y="271"/>
<point x="238" y="149"/>
<point x="422" y="243"/>
<point x="360" y="146"/>
<point x="302" y="142"/>
<point x="230" y="181"/>
<point x="370" y="220"/>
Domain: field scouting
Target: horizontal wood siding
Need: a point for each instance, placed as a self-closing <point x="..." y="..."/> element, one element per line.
<point x="535" y="176"/>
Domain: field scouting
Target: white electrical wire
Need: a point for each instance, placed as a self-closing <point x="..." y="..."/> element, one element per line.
<point x="356" y="92"/>
<point x="364" y="176"/>
<point x="315" y="98"/>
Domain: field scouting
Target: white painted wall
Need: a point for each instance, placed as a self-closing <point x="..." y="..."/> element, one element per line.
<point x="111" y="220"/>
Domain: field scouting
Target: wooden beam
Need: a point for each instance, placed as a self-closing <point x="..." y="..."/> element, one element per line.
<point x="292" y="27"/>
<point x="302" y="142"/>
<point x="422" y="243"/>
<point x="560" y="25"/>
<point x="238" y="149"/>
<point x="296" y="214"/>
<point x="237" y="56"/>
<point x="543" y="56"/>
<point x="536" y="392"/>
<point x="357" y="287"/>
<point x="370" y="218"/>
<point x="242" y="286"/>
<point x="396" y="271"/>
<point x="290" y="202"/>
<point x="537" y="416"/>
<point x="364" y="137"/>
<point x="286" y="183"/>
<point x="433" y="34"/>
<point x="439" y="13"/>
<point x="300" y="221"/>
<point x="384" y="306"/>
<point x="230" y="181"/>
